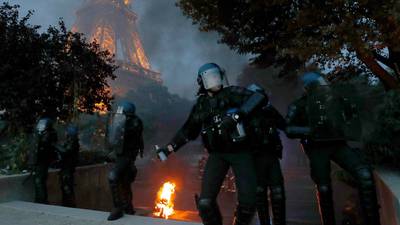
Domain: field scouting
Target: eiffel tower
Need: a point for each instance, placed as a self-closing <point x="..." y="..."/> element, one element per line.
<point x="112" y="24"/>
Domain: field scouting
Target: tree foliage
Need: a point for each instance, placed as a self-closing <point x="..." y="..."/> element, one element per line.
<point x="56" y="73"/>
<point x="342" y="34"/>
<point x="383" y="142"/>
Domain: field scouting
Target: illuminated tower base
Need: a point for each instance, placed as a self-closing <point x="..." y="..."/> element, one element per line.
<point x="112" y="24"/>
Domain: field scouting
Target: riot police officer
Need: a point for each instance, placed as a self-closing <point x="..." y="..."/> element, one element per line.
<point x="219" y="115"/>
<point x="267" y="147"/>
<point x="125" y="139"/>
<point x="320" y="121"/>
<point x="69" y="155"/>
<point x="44" y="155"/>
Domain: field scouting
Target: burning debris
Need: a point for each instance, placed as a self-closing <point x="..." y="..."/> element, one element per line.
<point x="164" y="207"/>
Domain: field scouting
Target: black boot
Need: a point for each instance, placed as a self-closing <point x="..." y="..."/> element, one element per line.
<point x="126" y="190"/>
<point x="368" y="199"/>
<point x="325" y="201"/>
<point x="115" y="214"/>
<point x="40" y="189"/>
<point x="127" y="199"/>
<point x="243" y="215"/>
<point x="278" y="203"/>
<point x="262" y="207"/>
<point x="117" y="211"/>
<point x="209" y="211"/>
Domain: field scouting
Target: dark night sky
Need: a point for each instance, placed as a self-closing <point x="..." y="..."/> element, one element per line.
<point x="173" y="45"/>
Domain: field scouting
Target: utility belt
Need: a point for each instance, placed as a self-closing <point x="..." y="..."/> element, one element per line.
<point x="217" y="138"/>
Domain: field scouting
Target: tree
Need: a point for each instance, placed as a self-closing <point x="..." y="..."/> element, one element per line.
<point x="349" y="35"/>
<point x="56" y="73"/>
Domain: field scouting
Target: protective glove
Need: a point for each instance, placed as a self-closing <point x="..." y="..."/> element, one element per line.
<point x="232" y="118"/>
<point x="164" y="152"/>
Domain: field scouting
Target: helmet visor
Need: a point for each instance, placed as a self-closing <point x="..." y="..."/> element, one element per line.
<point x="41" y="126"/>
<point x="211" y="78"/>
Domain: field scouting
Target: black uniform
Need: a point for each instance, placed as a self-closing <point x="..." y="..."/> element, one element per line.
<point x="124" y="170"/>
<point x="267" y="147"/>
<point x="320" y="153"/>
<point x="69" y="156"/>
<point x="45" y="154"/>
<point x="224" y="152"/>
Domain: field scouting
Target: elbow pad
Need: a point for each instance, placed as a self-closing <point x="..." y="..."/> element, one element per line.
<point x="252" y="103"/>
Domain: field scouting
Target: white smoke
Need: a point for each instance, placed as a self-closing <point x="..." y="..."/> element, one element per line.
<point x="173" y="45"/>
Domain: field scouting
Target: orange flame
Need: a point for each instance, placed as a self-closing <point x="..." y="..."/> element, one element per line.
<point x="100" y="108"/>
<point x="164" y="203"/>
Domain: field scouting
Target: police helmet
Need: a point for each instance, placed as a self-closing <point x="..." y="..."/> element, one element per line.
<point x="210" y="75"/>
<point x="311" y="79"/>
<point x="72" y="130"/>
<point x="127" y="108"/>
<point x="44" y="124"/>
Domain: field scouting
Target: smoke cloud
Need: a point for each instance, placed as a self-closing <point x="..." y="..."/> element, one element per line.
<point x="173" y="45"/>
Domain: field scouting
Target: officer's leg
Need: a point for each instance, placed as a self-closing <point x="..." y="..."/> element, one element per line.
<point x="320" y="174"/>
<point x="261" y="164"/>
<point x="67" y="187"/>
<point x="214" y="174"/>
<point x="246" y="183"/>
<point x="114" y="180"/>
<point x="40" y="179"/>
<point x="277" y="192"/>
<point x="353" y="162"/>
<point x="129" y="178"/>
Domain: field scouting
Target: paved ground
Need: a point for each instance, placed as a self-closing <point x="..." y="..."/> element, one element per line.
<point x="24" y="213"/>
<point x="182" y="168"/>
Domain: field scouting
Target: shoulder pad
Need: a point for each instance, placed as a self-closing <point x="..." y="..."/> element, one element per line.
<point x="255" y="88"/>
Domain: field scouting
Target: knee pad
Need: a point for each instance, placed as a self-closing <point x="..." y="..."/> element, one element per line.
<point x="262" y="197"/>
<point x="206" y="204"/>
<point x="112" y="177"/>
<point x="39" y="181"/>
<point x="67" y="190"/>
<point x="261" y="191"/>
<point x="324" y="188"/>
<point x="364" y="173"/>
<point x="364" y="177"/>
<point x="277" y="192"/>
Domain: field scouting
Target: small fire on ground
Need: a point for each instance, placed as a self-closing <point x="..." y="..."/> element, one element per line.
<point x="164" y="207"/>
